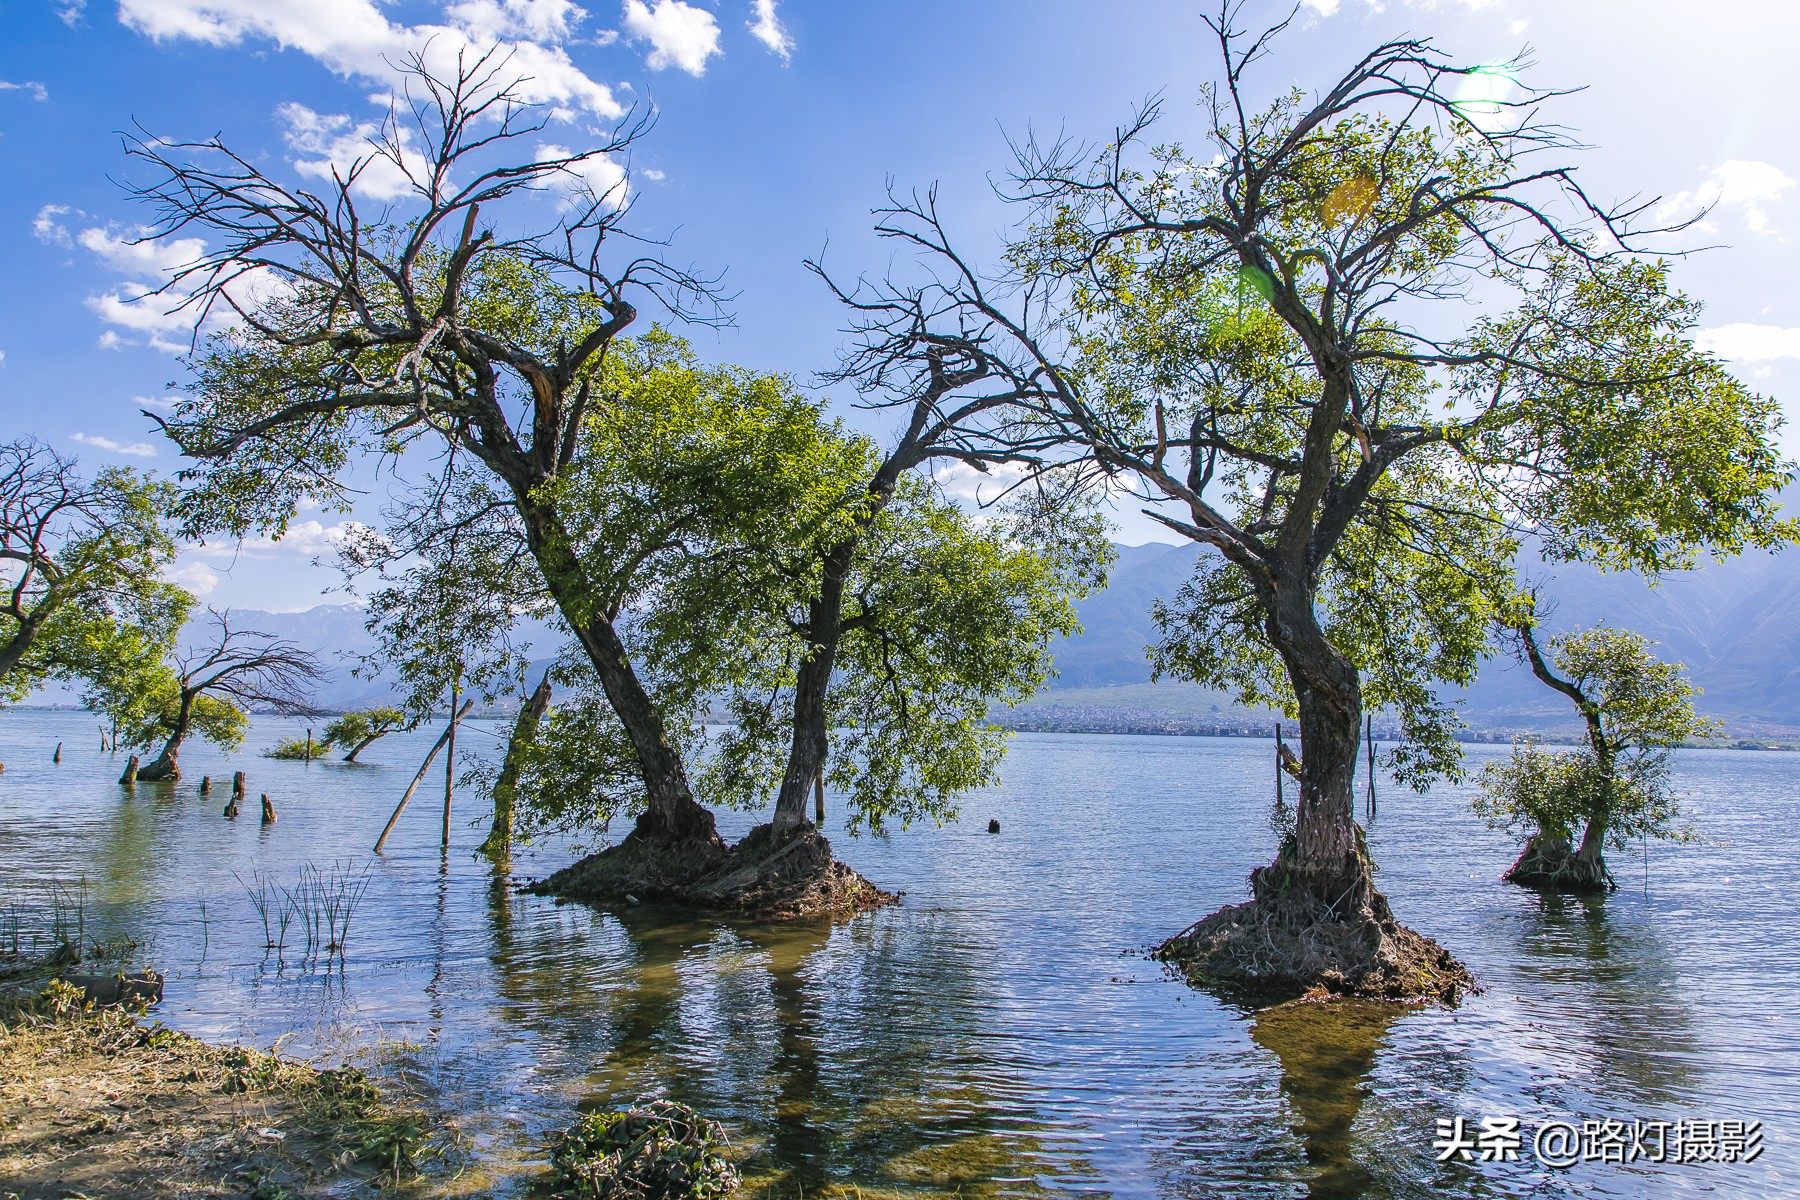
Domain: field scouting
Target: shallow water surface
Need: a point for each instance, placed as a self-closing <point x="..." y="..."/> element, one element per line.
<point x="1001" y="1032"/>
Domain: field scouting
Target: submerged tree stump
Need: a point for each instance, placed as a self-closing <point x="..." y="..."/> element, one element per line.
<point x="57" y="757"/>
<point x="205" y="784"/>
<point x="131" y="771"/>
<point x="268" y="810"/>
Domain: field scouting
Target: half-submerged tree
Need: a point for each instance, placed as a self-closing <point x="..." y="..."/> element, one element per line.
<point x="209" y="691"/>
<point x="1573" y="804"/>
<point x="360" y="730"/>
<point x="81" y="563"/>
<point x="1357" y="345"/>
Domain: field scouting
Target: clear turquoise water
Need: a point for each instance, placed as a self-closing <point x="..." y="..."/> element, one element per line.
<point x="1000" y="1033"/>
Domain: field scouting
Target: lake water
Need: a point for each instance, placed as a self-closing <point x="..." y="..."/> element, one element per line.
<point x="1001" y="1033"/>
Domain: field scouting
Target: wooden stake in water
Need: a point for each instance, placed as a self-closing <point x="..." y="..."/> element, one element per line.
<point x="57" y="757"/>
<point x="450" y="762"/>
<point x="420" y="777"/>
<point x="1369" y="739"/>
<point x="309" y="744"/>
<point x="1278" y="799"/>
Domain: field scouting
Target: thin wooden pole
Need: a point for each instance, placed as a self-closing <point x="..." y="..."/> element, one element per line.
<point x="1369" y="738"/>
<point x="1278" y="799"/>
<point x="450" y="762"/>
<point x="420" y="777"/>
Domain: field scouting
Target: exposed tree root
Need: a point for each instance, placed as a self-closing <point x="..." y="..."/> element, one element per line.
<point x="1290" y="945"/>
<point x="764" y="875"/>
<point x="1549" y="864"/>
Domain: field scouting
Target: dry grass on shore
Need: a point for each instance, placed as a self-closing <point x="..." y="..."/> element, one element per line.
<point x="94" y="1103"/>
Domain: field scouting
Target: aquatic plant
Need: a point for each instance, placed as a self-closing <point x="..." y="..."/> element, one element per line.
<point x="300" y="749"/>
<point x="660" y="1151"/>
<point x="68" y="913"/>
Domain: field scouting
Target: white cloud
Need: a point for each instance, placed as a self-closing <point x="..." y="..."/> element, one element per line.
<point x="535" y="20"/>
<point x="36" y="90"/>
<point x="309" y="539"/>
<point x="653" y="175"/>
<point x="964" y="482"/>
<point x="767" y="28"/>
<point x="134" y="449"/>
<point x="197" y="578"/>
<point x="163" y="320"/>
<point x="680" y="35"/>
<point x="72" y="12"/>
<point x="342" y="143"/>
<point x="353" y="37"/>
<point x="1750" y="343"/>
<point x="48" y="229"/>
<point x="133" y="252"/>
<point x="1746" y="185"/>
<point x="165" y="403"/>
<point x="594" y="177"/>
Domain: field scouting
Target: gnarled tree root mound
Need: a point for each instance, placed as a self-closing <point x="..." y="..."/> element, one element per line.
<point x="765" y="875"/>
<point x="1553" y="867"/>
<point x="1269" y="951"/>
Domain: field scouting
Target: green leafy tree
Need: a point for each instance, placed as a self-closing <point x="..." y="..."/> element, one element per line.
<point x="1270" y="341"/>
<point x="81" y="563"/>
<point x="359" y="730"/>
<point x="942" y="616"/>
<point x="1572" y="805"/>
<point x="757" y="506"/>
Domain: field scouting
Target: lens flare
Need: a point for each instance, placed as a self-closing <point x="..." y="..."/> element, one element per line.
<point x="1484" y="93"/>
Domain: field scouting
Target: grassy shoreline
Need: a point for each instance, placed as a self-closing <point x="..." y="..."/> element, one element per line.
<point x="98" y="1103"/>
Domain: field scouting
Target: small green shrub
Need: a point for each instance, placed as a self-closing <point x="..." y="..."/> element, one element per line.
<point x="662" y="1151"/>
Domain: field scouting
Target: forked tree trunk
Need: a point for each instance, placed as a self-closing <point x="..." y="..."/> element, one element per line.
<point x="498" y="843"/>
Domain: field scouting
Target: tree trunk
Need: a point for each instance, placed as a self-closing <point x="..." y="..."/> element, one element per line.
<point x="672" y="811"/>
<point x="13" y="652"/>
<point x="168" y="764"/>
<point x="365" y="743"/>
<point x="1326" y="861"/>
<point x="506" y="788"/>
<point x="811" y="738"/>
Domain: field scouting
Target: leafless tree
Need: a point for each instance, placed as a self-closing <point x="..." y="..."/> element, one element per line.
<point x="241" y="668"/>
<point x="353" y="334"/>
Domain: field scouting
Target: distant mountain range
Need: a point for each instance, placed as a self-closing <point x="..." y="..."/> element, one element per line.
<point x="1735" y="624"/>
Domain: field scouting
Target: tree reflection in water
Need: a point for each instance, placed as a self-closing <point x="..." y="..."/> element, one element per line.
<point x="1327" y="1053"/>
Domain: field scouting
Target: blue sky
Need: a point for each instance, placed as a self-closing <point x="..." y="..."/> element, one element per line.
<point x="778" y="125"/>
